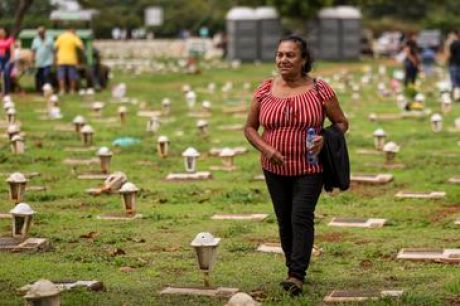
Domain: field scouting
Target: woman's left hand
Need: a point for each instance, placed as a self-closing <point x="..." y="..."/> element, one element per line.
<point x="318" y="144"/>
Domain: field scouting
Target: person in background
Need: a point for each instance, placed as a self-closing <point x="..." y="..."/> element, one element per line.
<point x="6" y="62"/>
<point x="428" y="60"/>
<point x="411" y="61"/>
<point x="67" y="45"/>
<point x="454" y="65"/>
<point x="287" y="106"/>
<point x="43" y="53"/>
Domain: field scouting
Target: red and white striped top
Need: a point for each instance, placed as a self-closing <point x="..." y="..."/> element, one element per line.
<point x="285" y="122"/>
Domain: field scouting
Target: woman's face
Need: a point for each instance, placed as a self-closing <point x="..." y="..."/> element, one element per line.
<point x="289" y="60"/>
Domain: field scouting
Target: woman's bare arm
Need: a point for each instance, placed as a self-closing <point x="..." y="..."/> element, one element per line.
<point x="335" y="114"/>
<point x="252" y="135"/>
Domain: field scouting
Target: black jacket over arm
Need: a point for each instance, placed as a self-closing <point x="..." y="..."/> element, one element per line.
<point x="334" y="157"/>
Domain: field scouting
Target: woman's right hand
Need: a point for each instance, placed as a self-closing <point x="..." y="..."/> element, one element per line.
<point x="274" y="156"/>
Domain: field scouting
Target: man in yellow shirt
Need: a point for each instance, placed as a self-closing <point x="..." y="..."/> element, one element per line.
<point x="67" y="45"/>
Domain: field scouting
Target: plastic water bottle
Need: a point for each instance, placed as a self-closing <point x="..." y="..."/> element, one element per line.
<point x="312" y="158"/>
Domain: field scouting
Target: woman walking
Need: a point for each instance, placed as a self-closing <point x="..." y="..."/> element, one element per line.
<point x="288" y="106"/>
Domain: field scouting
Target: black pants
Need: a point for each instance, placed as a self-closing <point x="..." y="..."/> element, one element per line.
<point x="411" y="72"/>
<point x="294" y="200"/>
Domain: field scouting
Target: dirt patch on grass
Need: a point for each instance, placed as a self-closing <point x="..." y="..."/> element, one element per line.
<point x="444" y="212"/>
<point x="331" y="237"/>
<point x="368" y="191"/>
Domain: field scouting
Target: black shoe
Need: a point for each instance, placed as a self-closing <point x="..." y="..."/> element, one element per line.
<point x="292" y="285"/>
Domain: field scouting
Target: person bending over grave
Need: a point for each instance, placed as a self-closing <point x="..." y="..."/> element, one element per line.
<point x="290" y="107"/>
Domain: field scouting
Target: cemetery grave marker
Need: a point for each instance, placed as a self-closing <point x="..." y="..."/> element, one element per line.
<point x="377" y="179"/>
<point x="258" y="217"/>
<point x="430" y="254"/>
<point x="349" y="296"/>
<point x="358" y="222"/>
<point x="421" y="195"/>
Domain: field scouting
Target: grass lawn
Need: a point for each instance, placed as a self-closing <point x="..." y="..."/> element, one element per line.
<point x="157" y="246"/>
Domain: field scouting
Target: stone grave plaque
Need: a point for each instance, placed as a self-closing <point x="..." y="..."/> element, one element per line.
<point x="10" y="244"/>
<point x="385" y="117"/>
<point x="80" y="162"/>
<point x="416" y="114"/>
<point x="148" y="113"/>
<point x="36" y="188"/>
<point x="92" y="285"/>
<point x="199" y="115"/>
<point x="201" y="175"/>
<point x="258" y="217"/>
<point x="119" y="216"/>
<point x="421" y="195"/>
<point x="343" y="296"/>
<point x="377" y="179"/>
<point x="97" y="191"/>
<point x="451" y="255"/>
<point x="455" y="179"/>
<point x="212" y="292"/>
<point x="106" y="120"/>
<point x="64" y="128"/>
<point x="259" y="177"/>
<point x="457" y="222"/>
<point x="358" y="222"/>
<point x="5" y="216"/>
<point x="92" y="176"/>
<point x="236" y="150"/>
<point x="79" y="149"/>
<point x="28" y="175"/>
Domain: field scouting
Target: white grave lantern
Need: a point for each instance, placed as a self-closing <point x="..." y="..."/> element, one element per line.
<point x="190" y="97"/>
<point x="211" y="88"/>
<point x="79" y="122"/>
<point x="55" y="112"/>
<point x="206" y="106"/>
<point x="446" y="103"/>
<point x="390" y="150"/>
<point x="53" y="101"/>
<point x="373" y="117"/>
<point x="436" y="123"/>
<point x="205" y="245"/>
<point x="87" y="134"/>
<point x="17" y="144"/>
<point x="419" y="98"/>
<point x="186" y="88"/>
<point x="153" y="125"/>
<point x="202" y="126"/>
<point x="47" y="90"/>
<point x="105" y="156"/>
<point x="166" y="106"/>
<point x="227" y="156"/>
<point x="43" y="293"/>
<point x="128" y="192"/>
<point x="401" y="101"/>
<point x="89" y="95"/>
<point x="122" y="113"/>
<point x="11" y="115"/>
<point x="97" y="107"/>
<point x="17" y="183"/>
<point x="7" y="99"/>
<point x="379" y="138"/>
<point x="7" y="105"/>
<point x="22" y="216"/>
<point x="163" y="146"/>
<point x="190" y="155"/>
<point x="13" y="129"/>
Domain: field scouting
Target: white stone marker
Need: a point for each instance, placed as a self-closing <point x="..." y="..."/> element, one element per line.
<point x="97" y="108"/>
<point x="87" y="135"/>
<point x="79" y="122"/>
<point x="358" y="222"/>
<point x="257" y="217"/>
<point x="377" y="179"/>
<point x="203" y="127"/>
<point x="190" y="97"/>
<point x="430" y="254"/>
<point x="390" y="150"/>
<point x="11" y="115"/>
<point x="350" y="296"/>
<point x="455" y="179"/>
<point x="421" y="195"/>
<point x="122" y="113"/>
<point x="166" y="106"/>
<point x="190" y="156"/>
<point x="153" y="125"/>
<point x="227" y="156"/>
<point x="13" y="129"/>
<point x="128" y="192"/>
